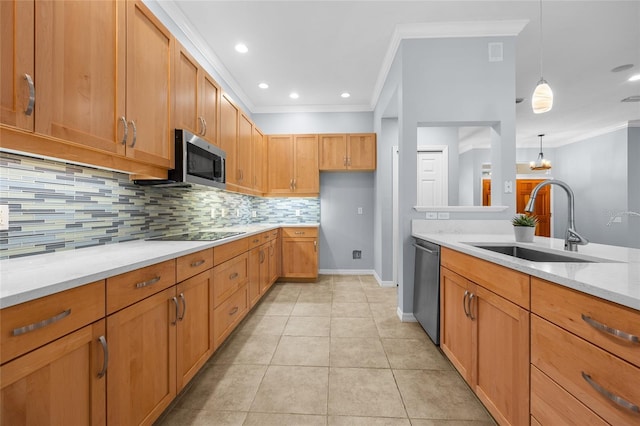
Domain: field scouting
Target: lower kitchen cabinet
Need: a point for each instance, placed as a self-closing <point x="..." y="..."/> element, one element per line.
<point x="300" y="252"/>
<point x="228" y="314"/>
<point x="258" y="273"/>
<point x="61" y="383"/>
<point x="274" y="260"/>
<point x="141" y="377"/>
<point x="486" y="337"/>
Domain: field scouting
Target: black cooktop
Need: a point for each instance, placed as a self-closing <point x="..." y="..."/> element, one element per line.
<point x="196" y="236"/>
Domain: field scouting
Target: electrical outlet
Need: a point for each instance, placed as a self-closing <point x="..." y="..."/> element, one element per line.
<point x="297" y="212"/>
<point x="4" y="217"/>
<point x="357" y="254"/>
<point x="432" y="215"/>
<point x="359" y="210"/>
<point x="213" y="212"/>
<point x="237" y="212"/>
<point x="443" y="215"/>
<point x="254" y="213"/>
<point x="223" y="212"/>
<point x="508" y="187"/>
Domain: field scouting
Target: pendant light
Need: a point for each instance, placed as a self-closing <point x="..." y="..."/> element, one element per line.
<point x="541" y="163"/>
<point x="542" y="99"/>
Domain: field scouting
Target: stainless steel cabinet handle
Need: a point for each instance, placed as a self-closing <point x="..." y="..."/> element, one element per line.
<point x="464" y="303"/>
<point x="609" y="395"/>
<point x="233" y="311"/>
<point x="233" y="276"/>
<point x="197" y="263"/>
<point x="32" y="95"/>
<point x="315" y="246"/>
<point x="348" y="161"/>
<point x="184" y="306"/>
<point x="291" y="184"/>
<point x="261" y="257"/>
<point x="175" y="302"/>
<point x="149" y="282"/>
<point x="40" y="324"/>
<point x="105" y="351"/>
<point x="135" y="134"/>
<point x="295" y="184"/>
<point x="204" y="123"/>
<point x="424" y="249"/>
<point x="344" y="161"/>
<point x="257" y="240"/>
<point x="471" y="296"/>
<point x="609" y="330"/>
<point x="201" y="122"/>
<point x="126" y="130"/>
<point x="299" y="232"/>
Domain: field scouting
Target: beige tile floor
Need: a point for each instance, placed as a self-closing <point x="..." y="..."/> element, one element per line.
<point x="327" y="353"/>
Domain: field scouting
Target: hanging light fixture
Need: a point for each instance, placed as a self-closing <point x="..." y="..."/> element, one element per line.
<point x="542" y="99"/>
<point x="541" y="163"/>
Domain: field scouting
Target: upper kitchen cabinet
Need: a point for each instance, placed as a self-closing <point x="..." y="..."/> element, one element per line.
<point x="17" y="48"/>
<point x="100" y="97"/>
<point x="195" y="96"/>
<point x="229" y="136"/>
<point x="293" y="165"/>
<point x="244" y="157"/>
<point x="258" y="150"/>
<point x="344" y="152"/>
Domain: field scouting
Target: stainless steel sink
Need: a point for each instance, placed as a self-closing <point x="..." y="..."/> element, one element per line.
<point x="530" y="254"/>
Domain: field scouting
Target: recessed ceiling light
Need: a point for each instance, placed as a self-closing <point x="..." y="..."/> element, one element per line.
<point x="263" y="85"/>
<point x="294" y="95"/>
<point x="622" y="68"/>
<point x="345" y="94"/>
<point x="635" y="98"/>
<point x="635" y="77"/>
<point x="241" y="48"/>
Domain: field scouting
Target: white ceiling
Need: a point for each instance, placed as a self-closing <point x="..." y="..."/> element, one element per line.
<point x="323" y="48"/>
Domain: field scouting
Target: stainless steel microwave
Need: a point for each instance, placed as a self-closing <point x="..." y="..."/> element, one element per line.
<point x="196" y="162"/>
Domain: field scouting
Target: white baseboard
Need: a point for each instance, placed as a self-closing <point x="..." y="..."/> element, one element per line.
<point x="406" y="317"/>
<point x="345" y="271"/>
<point x="383" y="283"/>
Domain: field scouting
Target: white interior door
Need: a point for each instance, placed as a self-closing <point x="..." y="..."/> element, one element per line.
<point x="432" y="178"/>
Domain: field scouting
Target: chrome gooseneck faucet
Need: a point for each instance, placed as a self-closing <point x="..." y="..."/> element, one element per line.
<point x="571" y="238"/>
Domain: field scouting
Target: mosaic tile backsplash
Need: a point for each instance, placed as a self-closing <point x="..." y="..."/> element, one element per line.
<point x="57" y="206"/>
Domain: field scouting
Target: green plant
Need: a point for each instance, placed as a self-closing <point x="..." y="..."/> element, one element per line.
<point x="524" y="220"/>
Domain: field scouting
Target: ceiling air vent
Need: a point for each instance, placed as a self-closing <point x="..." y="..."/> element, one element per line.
<point x="634" y="98"/>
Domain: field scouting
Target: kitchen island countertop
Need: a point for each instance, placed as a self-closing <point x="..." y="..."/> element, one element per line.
<point x="27" y="278"/>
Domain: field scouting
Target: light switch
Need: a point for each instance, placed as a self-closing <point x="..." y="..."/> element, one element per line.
<point x="508" y="187"/>
<point x="359" y="210"/>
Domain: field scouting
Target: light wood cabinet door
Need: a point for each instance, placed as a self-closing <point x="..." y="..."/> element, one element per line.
<point x="141" y="377"/>
<point x="306" y="179"/>
<point x="229" y="136"/>
<point x="57" y="384"/>
<point x="17" y="21"/>
<point x="361" y="151"/>
<point x="259" y="152"/>
<point x="244" y="172"/>
<point x="501" y="342"/>
<point x="255" y="261"/>
<point x="149" y="59"/>
<point x="299" y="257"/>
<point x="228" y="314"/>
<point x="274" y="261"/>
<point x="210" y="95"/>
<point x="186" y="95"/>
<point x="456" y="327"/>
<point x="81" y="74"/>
<point x="280" y="164"/>
<point x="333" y="152"/>
<point x="195" y="326"/>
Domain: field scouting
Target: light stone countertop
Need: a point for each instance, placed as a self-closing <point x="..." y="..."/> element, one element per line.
<point x="615" y="276"/>
<point x="27" y="278"/>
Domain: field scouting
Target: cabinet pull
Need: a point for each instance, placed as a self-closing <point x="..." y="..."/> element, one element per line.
<point x="175" y="302"/>
<point x="609" y="330"/>
<point x="197" y="263"/>
<point x="40" y="324"/>
<point x="261" y="257"/>
<point x="184" y="306"/>
<point x="609" y="395"/>
<point x="148" y="283"/>
<point x="344" y="161"/>
<point x="204" y="133"/>
<point x="464" y="303"/>
<point x="295" y="184"/>
<point x="32" y="95"/>
<point x="257" y="240"/>
<point x="315" y="246"/>
<point x="471" y="296"/>
<point x="233" y="311"/>
<point x="135" y="134"/>
<point x="233" y="276"/>
<point x="126" y="130"/>
<point x="299" y="232"/>
<point x="291" y="184"/>
<point x="202" y="130"/>
<point x="348" y="161"/>
<point x="105" y="351"/>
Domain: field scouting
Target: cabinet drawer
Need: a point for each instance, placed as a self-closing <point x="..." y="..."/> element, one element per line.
<point x="229" y="277"/>
<point x="572" y="363"/>
<point x="192" y="264"/>
<point x="230" y="250"/>
<point x="585" y="315"/>
<point x="227" y="315"/>
<point x="32" y="324"/>
<point x="551" y="405"/>
<point x="126" y="289"/>
<point x="257" y="240"/>
<point x="300" y="232"/>
<point x="510" y="284"/>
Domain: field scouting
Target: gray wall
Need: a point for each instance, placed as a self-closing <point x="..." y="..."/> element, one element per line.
<point x="341" y="228"/>
<point x="633" y="188"/>
<point x="596" y="171"/>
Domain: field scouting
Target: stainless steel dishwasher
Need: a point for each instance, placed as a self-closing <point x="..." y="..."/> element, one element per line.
<point x="426" y="288"/>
